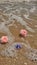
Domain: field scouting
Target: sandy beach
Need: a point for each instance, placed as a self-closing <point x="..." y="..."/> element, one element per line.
<point x="15" y="16"/>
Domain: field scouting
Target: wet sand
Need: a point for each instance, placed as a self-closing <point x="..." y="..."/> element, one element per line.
<point x="13" y="18"/>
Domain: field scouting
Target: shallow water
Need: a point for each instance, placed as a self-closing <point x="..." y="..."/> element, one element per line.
<point x="15" y="16"/>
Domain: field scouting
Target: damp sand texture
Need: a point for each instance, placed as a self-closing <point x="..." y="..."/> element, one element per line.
<point x="15" y="16"/>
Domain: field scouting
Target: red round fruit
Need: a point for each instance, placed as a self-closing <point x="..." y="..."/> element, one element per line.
<point x="4" y="39"/>
<point x="23" y="32"/>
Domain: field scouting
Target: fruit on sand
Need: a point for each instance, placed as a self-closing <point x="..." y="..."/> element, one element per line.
<point x="4" y="39"/>
<point x="23" y="32"/>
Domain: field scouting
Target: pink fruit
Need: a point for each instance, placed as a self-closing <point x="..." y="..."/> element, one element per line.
<point x="23" y="33"/>
<point x="4" y="39"/>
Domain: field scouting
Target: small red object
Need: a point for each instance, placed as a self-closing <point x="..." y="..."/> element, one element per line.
<point x="23" y="33"/>
<point x="4" y="39"/>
